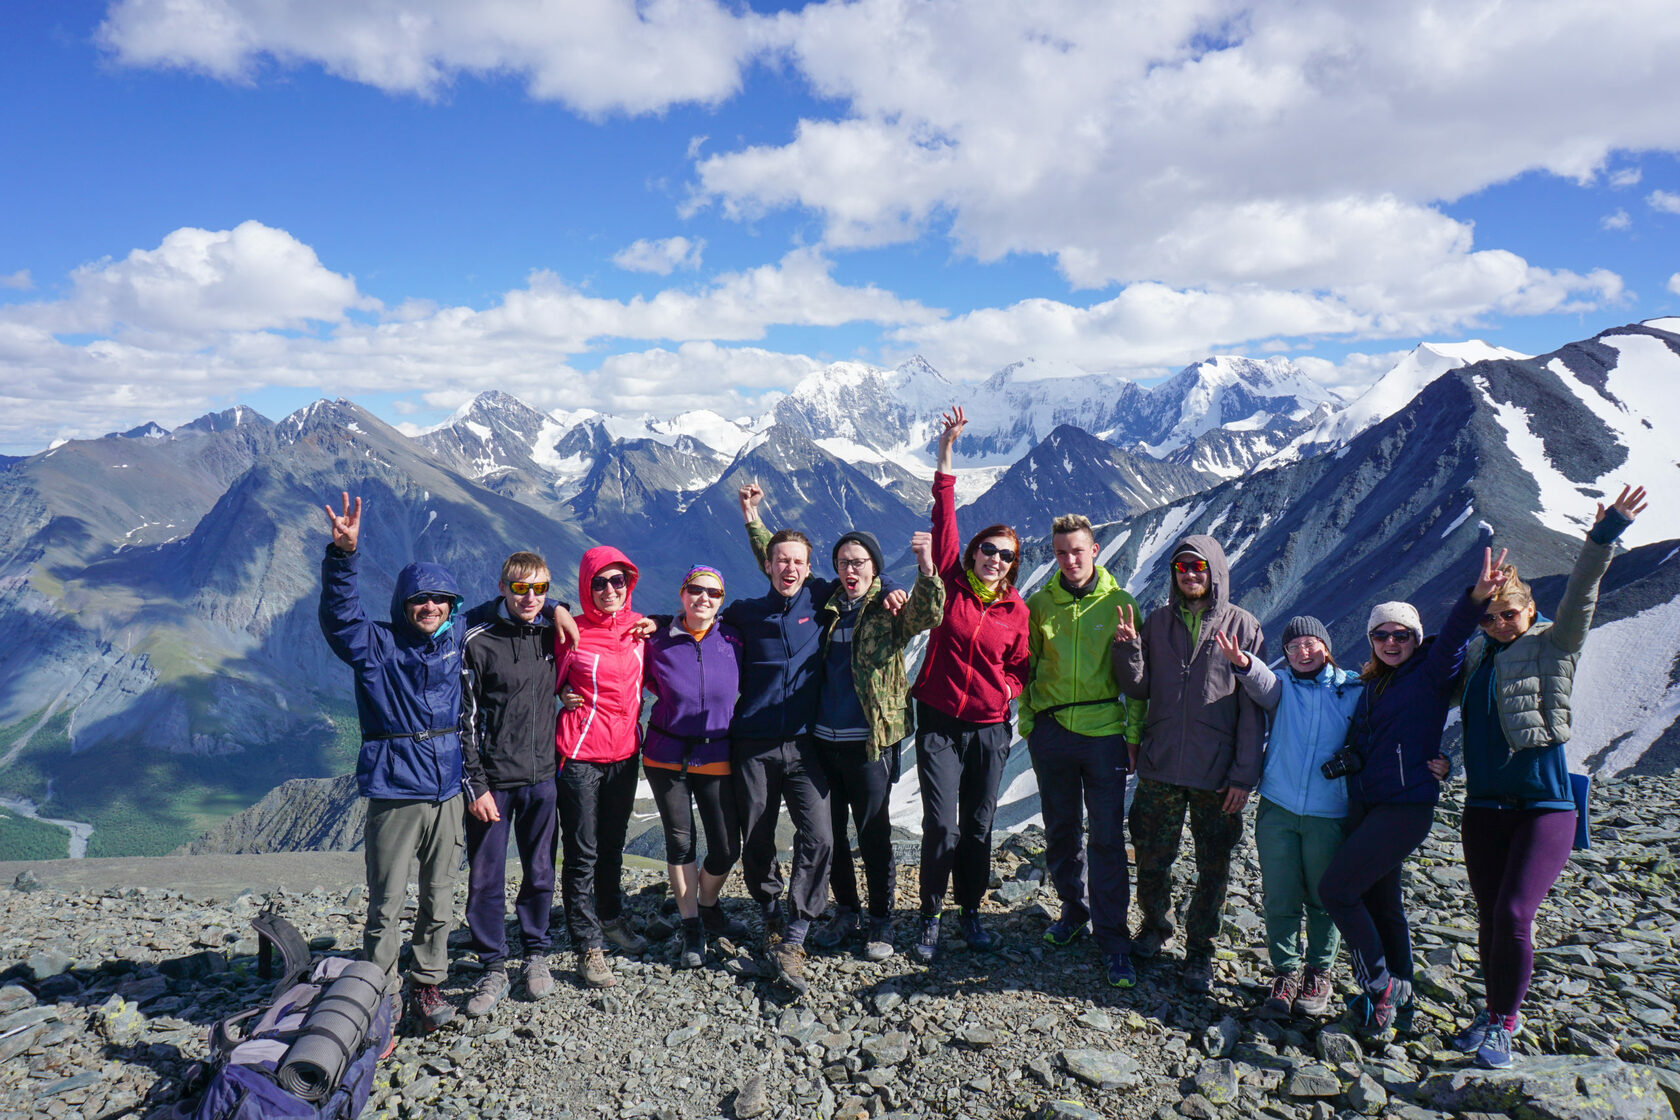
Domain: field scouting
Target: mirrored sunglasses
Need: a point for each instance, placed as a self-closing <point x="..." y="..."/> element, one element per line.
<point x="1190" y="564"/>
<point x="526" y="587"/>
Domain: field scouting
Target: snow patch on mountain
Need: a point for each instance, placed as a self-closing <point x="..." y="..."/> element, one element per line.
<point x="1158" y="542"/>
<point x="1625" y="667"/>
<point x="1560" y="500"/>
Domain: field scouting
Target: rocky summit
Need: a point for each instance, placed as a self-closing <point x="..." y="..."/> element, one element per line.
<point x="107" y="992"/>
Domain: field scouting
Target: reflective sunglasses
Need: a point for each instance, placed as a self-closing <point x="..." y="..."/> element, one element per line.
<point x="425" y="597"/>
<point x="1509" y="614"/>
<point x="616" y="581"/>
<point x="702" y="589"/>
<point x="1007" y="555"/>
<point x="1192" y="564"/>
<point x="526" y="587"/>
<point x="1399" y="636"/>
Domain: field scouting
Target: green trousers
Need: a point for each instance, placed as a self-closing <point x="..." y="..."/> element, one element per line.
<point x="401" y="839"/>
<point x="1294" y="851"/>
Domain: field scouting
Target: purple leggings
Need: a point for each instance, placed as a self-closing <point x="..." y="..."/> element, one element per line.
<point x="1513" y="856"/>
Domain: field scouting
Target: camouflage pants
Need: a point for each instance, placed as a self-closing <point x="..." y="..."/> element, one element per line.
<point x="1157" y="824"/>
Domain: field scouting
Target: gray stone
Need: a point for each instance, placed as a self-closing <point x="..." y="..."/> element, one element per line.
<point x="1065" y="1110"/>
<point x="1217" y="1081"/>
<point x="1557" y="1087"/>
<point x="1220" y="1039"/>
<point x="27" y="881"/>
<point x="1014" y="892"/>
<point x="1198" y="1107"/>
<point x="1313" y="1081"/>
<point x="14" y="996"/>
<point x="120" y="1022"/>
<point x="980" y="1038"/>
<point x="888" y="1049"/>
<point x="1367" y="1097"/>
<point x="1102" y="1069"/>
<point x="48" y="963"/>
<point x="685" y="1034"/>
<point x="19" y="1041"/>
<point x="1337" y="1046"/>
<point x="1096" y="1019"/>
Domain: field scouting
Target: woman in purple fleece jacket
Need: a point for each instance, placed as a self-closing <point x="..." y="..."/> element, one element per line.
<point x="693" y="669"/>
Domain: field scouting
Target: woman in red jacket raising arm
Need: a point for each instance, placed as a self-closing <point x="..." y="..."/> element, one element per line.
<point x="976" y="663"/>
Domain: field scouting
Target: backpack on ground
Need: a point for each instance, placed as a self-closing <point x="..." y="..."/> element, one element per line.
<point x="308" y="1051"/>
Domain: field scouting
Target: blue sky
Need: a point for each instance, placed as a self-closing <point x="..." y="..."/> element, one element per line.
<point x="684" y="204"/>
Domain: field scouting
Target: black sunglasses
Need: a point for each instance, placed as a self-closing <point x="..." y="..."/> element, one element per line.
<point x="1509" y="614"/>
<point x="616" y="581"/>
<point x="987" y="548"/>
<point x="1401" y="636"/>
<point x="702" y="589"/>
<point x="425" y="597"/>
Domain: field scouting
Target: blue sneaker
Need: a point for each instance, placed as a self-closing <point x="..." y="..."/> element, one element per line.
<point x="1064" y="931"/>
<point x="979" y="938"/>
<point x="1469" y="1040"/>
<point x="1121" y="974"/>
<point x="1495" y="1050"/>
<point x="926" y="948"/>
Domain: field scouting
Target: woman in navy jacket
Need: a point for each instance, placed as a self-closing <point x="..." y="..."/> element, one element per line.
<point x="1395" y="740"/>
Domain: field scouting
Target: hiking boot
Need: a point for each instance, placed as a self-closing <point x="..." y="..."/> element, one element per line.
<point x="620" y="934"/>
<point x="1198" y="973"/>
<point x="979" y="938"/>
<point x="927" y="942"/>
<point x="1373" y="1012"/>
<point x="428" y="1007"/>
<point x="492" y="986"/>
<point x="1280" y="1004"/>
<point x="834" y="932"/>
<point x="1495" y="1050"/>
<point x="593" y="969"/>
<point x="1150" y="939"/>
<point x="538" y="980"/>
<point x="787" y="964"/>
<point x="1469" y="1040"/>
<point x="1313" y="999"/>
<point x="879" y="944"/>
<point x="693" y="953"/>
<point x="1120" y="972"/>
<point x="1064" y="931"/>
<point x="716" y="923"/>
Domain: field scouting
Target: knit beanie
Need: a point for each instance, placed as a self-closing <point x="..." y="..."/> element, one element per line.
<point x="1305" y="626"/>
<point x="1403" y="613"/>
<point x="703" y="570"/>
<point x="870" y="545"/>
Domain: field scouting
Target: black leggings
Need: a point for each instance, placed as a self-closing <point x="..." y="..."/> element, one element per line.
<point x="1362" y="887"/>
<point x="677" y="794"/>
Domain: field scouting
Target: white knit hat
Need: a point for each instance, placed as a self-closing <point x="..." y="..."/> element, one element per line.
<point x="1403" y="613"/>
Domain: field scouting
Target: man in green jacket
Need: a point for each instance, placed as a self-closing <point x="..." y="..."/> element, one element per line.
<point x="1079" y="729"/>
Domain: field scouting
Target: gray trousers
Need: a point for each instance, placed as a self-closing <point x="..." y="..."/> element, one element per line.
<point x="398" y="835"/>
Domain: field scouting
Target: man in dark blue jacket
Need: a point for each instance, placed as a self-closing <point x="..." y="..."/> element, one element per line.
<point x="408" y="698"/>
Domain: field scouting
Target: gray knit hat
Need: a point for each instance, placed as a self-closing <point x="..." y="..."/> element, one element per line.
<point x="1403" y="613"/>
<point x="1305" y="626"/>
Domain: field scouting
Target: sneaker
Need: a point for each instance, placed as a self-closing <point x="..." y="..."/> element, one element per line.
<point x="1121" y="974"/>
<point x="1064" y="930"/>
<point x="1373" y="1014"/>
<point x="979" y="938"/>
<point x="1469" y="1040"/>
<point x="1495" y="1050"/>
<point x="620" y="934"/>
<point x="927" y="944"/>
<point x="1150" y="939"/>
<point x="716" y="923"/>
<point x="396" y="1021"/>
<point x="693" y="953"/>
<point x="492" y="986"/>
<point x="593" y="969"/>
<point x="429" y="1008"/>
<point x="539" y="981"/>
<point x="879" y="944"/>
<point x="1280" y="1004"/>
<point x="1313" y="999"/>
<point x="1198" y="974"/>
<point x="787" y="964"/>
<point x="833" y="933"/>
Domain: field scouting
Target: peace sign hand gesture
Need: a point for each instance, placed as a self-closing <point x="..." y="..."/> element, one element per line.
<point x="1492" y="580"/>
<point x="345" y="527"/>
<point x="1126" y="631"/>
<point x="1234" y="653"/>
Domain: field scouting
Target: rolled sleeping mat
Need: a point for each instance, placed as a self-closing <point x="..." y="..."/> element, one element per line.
<point x="332" y="1033"/>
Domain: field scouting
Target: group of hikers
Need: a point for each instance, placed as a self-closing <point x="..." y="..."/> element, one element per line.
<point x="799" y="697"/>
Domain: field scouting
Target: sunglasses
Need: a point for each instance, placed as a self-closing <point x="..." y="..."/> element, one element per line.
<point x="616" y="581"/>
<point x="526" y="587"/>
<point x="1191" y="565"/>
<point x="987" y="548"/>
<point x="432" y="597"/>
<point x="702" y="589"/>
<point x="1509" y="614"/>
<point x="1399" y="636"/>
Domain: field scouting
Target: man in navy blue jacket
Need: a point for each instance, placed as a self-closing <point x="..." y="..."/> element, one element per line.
<point x="408" y="698"/>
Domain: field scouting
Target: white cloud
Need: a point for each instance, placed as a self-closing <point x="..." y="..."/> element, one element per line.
<point x="661" y="257"/>
<point x="18" y="281"/>
<point x="1674" y="283"/>
<point x="1617" y="220"/>
<point x="1626" y="177"/>
<point x="1667" y="202"/>
<point x="598" y="56"/>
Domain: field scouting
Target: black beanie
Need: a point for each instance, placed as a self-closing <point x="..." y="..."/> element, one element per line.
<point x="1305" y="626"/>
<point x="867" y="540"/>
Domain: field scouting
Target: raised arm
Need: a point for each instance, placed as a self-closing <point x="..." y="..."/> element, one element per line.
<point x="1580" y="594"/>
<point x="757" y="535"/>
<point x="1445" y="659"/>
<point x="343" y="622"/>
<point x="926" y="606"/>
<point x="947" y="548"/>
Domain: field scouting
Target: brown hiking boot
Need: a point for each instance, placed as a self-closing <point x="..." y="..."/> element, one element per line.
<point x="787" y="963"/>
<point x="1280" y="1004"/>
<point x="1314" y="997"/>
<point x="593" y="969"/>
<point x="428" y="1007"/>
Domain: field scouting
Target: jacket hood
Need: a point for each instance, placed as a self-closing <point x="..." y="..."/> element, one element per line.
<point x="1219" y="569"/>
<point x="593" y="561"/>
<point x="421" y="576"/>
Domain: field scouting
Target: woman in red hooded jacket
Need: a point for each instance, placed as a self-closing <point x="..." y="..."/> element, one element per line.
<point x="598" y="741"/>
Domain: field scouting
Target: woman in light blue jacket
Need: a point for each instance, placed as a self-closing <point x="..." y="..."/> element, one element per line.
<point x="1298" y="827"/>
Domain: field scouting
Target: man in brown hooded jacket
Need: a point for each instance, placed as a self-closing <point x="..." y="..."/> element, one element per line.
<point x="1200" y="750"/>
